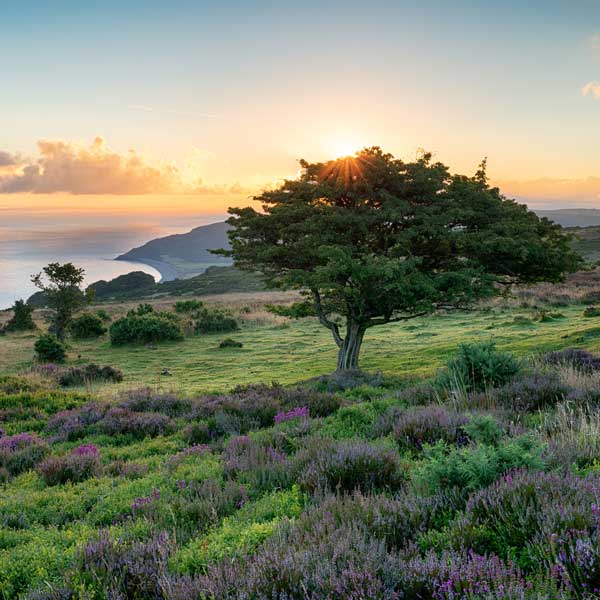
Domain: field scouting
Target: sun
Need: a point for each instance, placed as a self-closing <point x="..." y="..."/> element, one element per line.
<point x="340" y="147"/>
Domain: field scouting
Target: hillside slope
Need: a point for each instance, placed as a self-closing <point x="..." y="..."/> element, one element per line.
<point x="183" y="255"/>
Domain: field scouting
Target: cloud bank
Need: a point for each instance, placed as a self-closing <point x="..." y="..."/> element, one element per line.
<point x="93" y="169"/>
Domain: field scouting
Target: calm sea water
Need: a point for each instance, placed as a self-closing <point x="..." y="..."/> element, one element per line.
<point x="25" y="248"/>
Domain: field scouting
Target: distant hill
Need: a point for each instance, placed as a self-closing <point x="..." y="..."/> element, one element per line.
<point x="137" y="285"/>
<point x="183" y="255"/>
<point x="573" y="217"/>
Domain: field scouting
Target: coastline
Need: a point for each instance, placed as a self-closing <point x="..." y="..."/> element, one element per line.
<point x="166" y="271"/>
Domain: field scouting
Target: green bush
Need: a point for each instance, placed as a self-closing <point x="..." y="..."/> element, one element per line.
<point x="87" y="325"/>
<point x="214" y="321"/>
<point x="22" y="318"/>
<point x="472" y="468"/>
<point x="49" y="349"/>
<point x="188" y="306"/>
<point x="230" y="343"/>
<point x="478" y="367"/>
<point x="591" y="311"/>
<point x="144" y="329"/>
<point x="103" y="315"/>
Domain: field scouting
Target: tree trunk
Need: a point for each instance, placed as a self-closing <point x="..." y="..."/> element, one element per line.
<point x="350" y="347"/>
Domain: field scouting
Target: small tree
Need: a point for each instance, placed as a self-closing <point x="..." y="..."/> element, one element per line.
<point x="371" y="240"/>
<point x="22" y="319"/>
<point x="61" y="285"/>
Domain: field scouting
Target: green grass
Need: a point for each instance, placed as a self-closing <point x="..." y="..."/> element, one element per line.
<point x="297" y="350"/>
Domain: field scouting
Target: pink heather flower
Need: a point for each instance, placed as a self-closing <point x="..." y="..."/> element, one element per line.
<point x="298" y="412"/>
<point x="86" y="450"/>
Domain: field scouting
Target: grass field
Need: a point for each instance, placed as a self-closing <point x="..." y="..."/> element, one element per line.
<point x="287" y="351"/>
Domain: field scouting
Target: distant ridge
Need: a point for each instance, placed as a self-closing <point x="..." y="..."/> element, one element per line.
<point x="573" y="217"/>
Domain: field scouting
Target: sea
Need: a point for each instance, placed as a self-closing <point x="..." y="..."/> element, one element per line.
<point x="26" y="247"/>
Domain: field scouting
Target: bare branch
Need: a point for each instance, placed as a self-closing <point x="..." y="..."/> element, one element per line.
<point x="333" y="327"/>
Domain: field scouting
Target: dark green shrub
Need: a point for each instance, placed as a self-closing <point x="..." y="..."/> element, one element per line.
<point x="22" y="318"/>
<point x="230" y="343"/>
<point x="87" y="325"/>
<point x="188" y="306"/>
<point x="141" y="310"/>
<point x="478" y="367"/>
<point x="49" y="349"/>
<point x="591" y="311"/>
<point x="214" y="321"/>
<point x="144" y="329"/>
<point x="88" y="373"/>
<point x="103" y="315"/>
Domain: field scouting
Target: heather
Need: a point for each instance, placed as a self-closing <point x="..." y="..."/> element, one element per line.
<point x="343" y="487"/>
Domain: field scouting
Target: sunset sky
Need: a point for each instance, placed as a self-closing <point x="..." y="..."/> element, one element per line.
<point x="177" y="107"/>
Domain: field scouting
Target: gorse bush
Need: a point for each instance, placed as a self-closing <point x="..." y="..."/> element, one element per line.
<point x="188" y="306"/>
<point x="87" y="325"/>
<point x="146" y="328"/>
<point x="478" y="367"/>
<point x="214" y="321"/>
<point x="48" y="348"/>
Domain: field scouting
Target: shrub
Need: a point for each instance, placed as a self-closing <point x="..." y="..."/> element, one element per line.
<point x="188" y="306"/>
<point x="146" y="400"/>
<point x="140" y="425"/>
<point x="230" y="343"/>
<point x="472" y="468"/>
<point x="21" y="452"/>
<point x="122" y="568"/>
<point x="81" y="463"/>
<point x="479" y="367"/>
<point x="347" y="465"/>
<point x="214" y="321"/>
<point x="21" y="319"/>
<point x="87" y="325"/>
<point x="89" y="373"/>
<point x="591" y="311"/>
<point x="49" y="348"/>
<point x="531" y="392"/>
<point x="592" y="297"/>
<point x="527" y="514"/>
<point x="582" y="360"/>
<point x="144" y="329"/>
<point x="103" y="315"/>
<point x="68" y="425"/>
<point x="340" y="381"/>
<point x="426" y="425"/>
<point x="262" y="468"/>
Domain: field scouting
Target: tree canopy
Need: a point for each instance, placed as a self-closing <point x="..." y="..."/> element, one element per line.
<point x="61" y="285"/>
<point x="370" y="239"/>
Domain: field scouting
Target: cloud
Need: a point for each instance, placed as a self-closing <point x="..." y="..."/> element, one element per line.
<point x="554" y="193"/>
<point x="592" y="88"/>
<point x="93" y="169"/>
<point x="214" y="190"/>
<point x="8" y="160"/>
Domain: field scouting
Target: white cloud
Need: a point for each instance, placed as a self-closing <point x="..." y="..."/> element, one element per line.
<point x="592" y="88"/>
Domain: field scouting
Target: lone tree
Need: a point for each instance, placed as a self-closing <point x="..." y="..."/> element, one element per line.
<point x="61" y="286"/>
<point x="370" y="240"/>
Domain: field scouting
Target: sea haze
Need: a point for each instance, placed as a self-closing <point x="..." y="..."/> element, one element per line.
<point x="28" y="243"/>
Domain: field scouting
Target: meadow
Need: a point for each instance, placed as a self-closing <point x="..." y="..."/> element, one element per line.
<point x="462" y="462"/>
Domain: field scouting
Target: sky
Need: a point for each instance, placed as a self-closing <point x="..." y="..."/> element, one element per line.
<point x="180" y="109"/>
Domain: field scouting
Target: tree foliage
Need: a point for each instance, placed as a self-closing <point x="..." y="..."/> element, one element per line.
<point x="371" y="239"/>
<point x="61" y="285"/>
<point x="22" y="319"/>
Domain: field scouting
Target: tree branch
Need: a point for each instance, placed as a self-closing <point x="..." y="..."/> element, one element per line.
<point x="384" y="321"/>
<point x="335" y="330"/>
